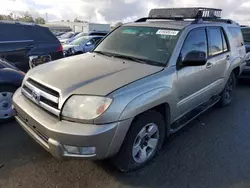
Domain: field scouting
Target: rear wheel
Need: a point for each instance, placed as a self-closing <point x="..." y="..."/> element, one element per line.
<point x="143" y="141"/>
<point x="6" y="111"/>
<point x="227" y="93"/>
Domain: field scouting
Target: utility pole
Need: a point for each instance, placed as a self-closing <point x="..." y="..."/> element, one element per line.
<point x="46" y="17"/>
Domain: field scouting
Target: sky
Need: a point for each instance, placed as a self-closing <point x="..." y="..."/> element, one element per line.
<point x="112" y="11"/>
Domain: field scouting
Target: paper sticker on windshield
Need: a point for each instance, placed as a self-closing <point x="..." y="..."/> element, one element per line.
<point x="167" y="32"/>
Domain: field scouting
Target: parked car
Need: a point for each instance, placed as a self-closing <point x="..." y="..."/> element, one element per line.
<point x="100" y="33"/>
<point x="94" y="33"/>
<point x="246" y="36"/>
<point x="143" y="82"/>
<point x="10" y="79"/>
<point x="58" y="34"/>
<point x="81" y="45"/>
<point x="67" y="37"/>
<point x="26" y="45"/>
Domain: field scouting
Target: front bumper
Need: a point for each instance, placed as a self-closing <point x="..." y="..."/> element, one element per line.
<point x="54" y="134"/>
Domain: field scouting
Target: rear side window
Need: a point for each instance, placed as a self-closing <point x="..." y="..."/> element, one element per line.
<point x="14" y="32"/>
<point x="41" y="34"/>
<point x="195" y="41"/>
<point x="215" y="41"/>
<point x="237" y="36"/>
<point x="18" y="32"/>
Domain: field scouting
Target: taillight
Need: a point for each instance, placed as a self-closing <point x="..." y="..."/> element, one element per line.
<point x="60" y="48"/>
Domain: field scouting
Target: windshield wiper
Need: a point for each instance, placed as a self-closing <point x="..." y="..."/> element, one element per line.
<point x="139" y="60"/>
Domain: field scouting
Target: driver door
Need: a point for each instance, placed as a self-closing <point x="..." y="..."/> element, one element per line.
<point x="193" y="81"/>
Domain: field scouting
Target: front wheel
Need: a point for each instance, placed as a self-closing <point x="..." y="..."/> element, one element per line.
<point x="143" y="141"/>
<point x="227" y="93"/>
<point x="6" y="111"/>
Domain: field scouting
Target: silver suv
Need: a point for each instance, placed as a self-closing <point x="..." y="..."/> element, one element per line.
<point x="143" y="82"/>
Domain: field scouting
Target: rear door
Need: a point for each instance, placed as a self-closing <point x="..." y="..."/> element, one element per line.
<point x="218" y="60"/>
<point x="15" y="44"/>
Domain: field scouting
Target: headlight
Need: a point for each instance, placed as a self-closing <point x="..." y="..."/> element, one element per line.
<point x="85" y="107"/>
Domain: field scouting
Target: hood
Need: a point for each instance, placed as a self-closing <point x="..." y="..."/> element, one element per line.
<point x="68" y="46"/>
<point x="90" y="74"/>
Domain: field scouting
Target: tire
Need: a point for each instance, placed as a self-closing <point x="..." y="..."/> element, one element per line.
<point x="135" y="146"/>
<point x="227" y="93"/>
<point x="6" y="93"/>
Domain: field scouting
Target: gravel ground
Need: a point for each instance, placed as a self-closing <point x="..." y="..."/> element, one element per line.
<point x="212" y="151"/>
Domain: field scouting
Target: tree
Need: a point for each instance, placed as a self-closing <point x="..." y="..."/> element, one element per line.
<point x="118" y="24"/>
<point x="40" y="20"/>
<point x="26" y="17"/>
<point x="76" y="20"/>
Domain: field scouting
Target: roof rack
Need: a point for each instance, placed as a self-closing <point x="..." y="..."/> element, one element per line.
<point x="183" y="13"/>
<point x="186" y="13"/>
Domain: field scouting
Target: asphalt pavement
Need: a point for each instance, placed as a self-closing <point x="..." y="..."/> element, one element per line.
<point x="212" y="151"/>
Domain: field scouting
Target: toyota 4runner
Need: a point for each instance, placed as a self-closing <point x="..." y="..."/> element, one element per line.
<point x="143" y="82"/>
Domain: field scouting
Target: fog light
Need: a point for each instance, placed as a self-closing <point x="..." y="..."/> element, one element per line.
<point x="72" y="149"/>
<point x="87" y="150"/>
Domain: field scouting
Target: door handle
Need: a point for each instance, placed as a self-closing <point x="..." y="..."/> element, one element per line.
<point x="228" y="57"/>
<point x="209" y="65"/>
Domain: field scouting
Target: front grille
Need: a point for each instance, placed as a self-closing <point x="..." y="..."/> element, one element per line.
<point x="43" y="96"/>
<point x="43" y="88"/>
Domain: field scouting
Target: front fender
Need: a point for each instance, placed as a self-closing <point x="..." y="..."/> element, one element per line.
<point x="147" y="101"/>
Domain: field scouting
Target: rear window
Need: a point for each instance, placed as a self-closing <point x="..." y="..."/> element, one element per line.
<point x="237" y="36"/>
<point x="246" y="34"/>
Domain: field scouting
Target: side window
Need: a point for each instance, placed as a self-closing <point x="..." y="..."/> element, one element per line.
<point x="225" y="44"/>
<point x="237" y="36"/>
<point x="8" y="32"/>
<point x="215" y="41"/>
<point x="195" y="41"/>
<point x="97" y="40"/>
<point x="92" y="41"/>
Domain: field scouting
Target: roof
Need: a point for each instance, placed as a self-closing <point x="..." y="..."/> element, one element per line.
<point x="17" y="22"/>
<point x="181" y="24"/>
<point x="162" y="23"/>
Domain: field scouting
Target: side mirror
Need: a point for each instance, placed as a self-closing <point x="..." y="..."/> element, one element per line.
<point x="194" y="58"/>
<point x="88" y="43"/>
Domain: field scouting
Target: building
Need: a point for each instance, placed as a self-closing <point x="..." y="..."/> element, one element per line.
<point x="77" y="26"/>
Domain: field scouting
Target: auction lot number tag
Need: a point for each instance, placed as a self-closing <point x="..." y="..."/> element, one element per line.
<point x="167" y="32"/>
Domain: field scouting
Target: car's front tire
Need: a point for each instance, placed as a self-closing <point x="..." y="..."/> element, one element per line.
<point x="6" y="93"/>
<point x="227" y="93"/>
<point x="142" y="142"/>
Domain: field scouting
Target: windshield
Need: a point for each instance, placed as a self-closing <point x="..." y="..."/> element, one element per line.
<point x="146" y="43"/>
<point x="66" y="35"/>
<point x="80" y="40"/>
<point x="246" y="34"/>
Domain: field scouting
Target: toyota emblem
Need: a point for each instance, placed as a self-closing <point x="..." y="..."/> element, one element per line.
<point x="36" y="96"/>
